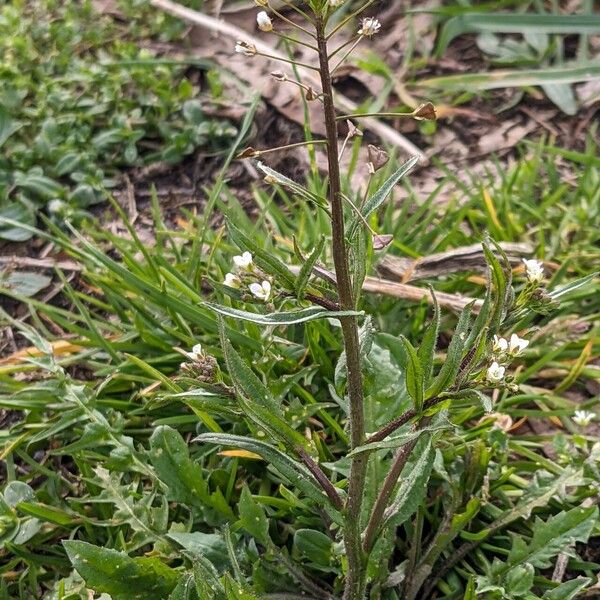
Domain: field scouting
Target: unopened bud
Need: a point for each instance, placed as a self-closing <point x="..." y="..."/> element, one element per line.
<point x="378" y="158"/>
<point x="425" y="112"/>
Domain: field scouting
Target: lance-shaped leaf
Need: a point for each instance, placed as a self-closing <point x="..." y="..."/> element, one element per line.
<point x="426" y="350"/>
<point x="267" y="261"/>
<point x="256" y="399"/>
<point x="400" y="440"/>
<point x="378" y="198"/>
<point x="291" y="317"/>
<point x="296" y="187"/>
<point x="415" y="383"/>
<point x="413" y="483"/>
<point x="295" y="472"/>
<point x="567" y="590"/>
<point x="307" y="267"/>
<point x="454" y="355"/>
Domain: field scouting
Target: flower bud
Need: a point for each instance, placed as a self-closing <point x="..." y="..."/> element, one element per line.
<point x="264" y="21"/>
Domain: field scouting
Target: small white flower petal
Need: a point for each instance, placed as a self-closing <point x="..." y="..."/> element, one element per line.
<point x="495" y="372"/>
<point x="245" y="48"/>
<point x="517" y="345"/>
<point x="232" y="280"/>
<point x="243" y="262"/>
<point x="335" y="3"/>
<point x="500" y="345"/>
<point x="262" y="291"/>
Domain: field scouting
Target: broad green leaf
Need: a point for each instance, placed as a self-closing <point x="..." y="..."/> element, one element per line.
<point x="185" y="589"/>
<point x="253" y="517"/>
<point x="208" y="585"/>
<point x="314" y="546"/>
<point x="115" y="573"/>
<point x="567" y="590"/>
<point x="413" y="484"/>
<point x="8" y="126"/>
<point x="292" y="470"/>
<point x="516" y="23"/>
<point x="563" y="96"/>
<point x="415" y="383"/>
<point x="553" y="536"/>
<point x="24" y="283"/>
<point x="291" y="317"/>
<point x="181" y="475"/>
<point x="210" y="546"/>
<point x="307" y="267"/>
<point x="12" y="215"/>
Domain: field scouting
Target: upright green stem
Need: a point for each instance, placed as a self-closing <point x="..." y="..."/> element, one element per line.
<point x="355" y="580"/>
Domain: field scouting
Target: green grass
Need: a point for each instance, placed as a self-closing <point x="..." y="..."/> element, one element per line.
<point x="84" y="460"/>
<point x="83" y="99"/>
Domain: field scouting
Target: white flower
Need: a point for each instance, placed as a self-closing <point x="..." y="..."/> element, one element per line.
<point x="196" y="352"/>
<point x="261" y="290"/>
<point x="369" y="26"/>
<point x="335" y="3"/>
<point x="583" y="418"/>
<point x="495" y="373"/>
<point x="500" y="345"/>
<point x="245" y="48"/>
<point x="534" y="269"/>
<point x="232" y="280"/>
<point x="243" y="262"/>
<point x="56" y="206"/>
<point x="517" y="345"/>
<point x="264" y="21"/>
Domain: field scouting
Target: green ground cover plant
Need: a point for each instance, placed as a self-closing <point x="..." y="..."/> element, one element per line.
<point x="82" y="100"/>
<point x="186" y="422"/>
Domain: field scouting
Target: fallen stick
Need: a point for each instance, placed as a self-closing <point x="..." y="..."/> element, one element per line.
<point x="465" y="258"/>
<point x="404" y="291"/>
<point x="236" y="33"/>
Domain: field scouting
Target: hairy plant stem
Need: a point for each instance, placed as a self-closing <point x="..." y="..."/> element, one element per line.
<point x="355" y="579"/>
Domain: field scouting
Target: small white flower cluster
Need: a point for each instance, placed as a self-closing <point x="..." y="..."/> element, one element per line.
<point x="503" y="351"/>
<point x="583" y="417"/>
<point x="244" y="263"/>
<point x="534" y="271"/>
